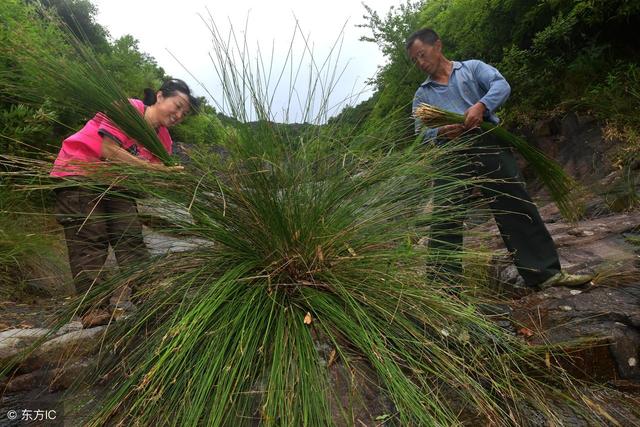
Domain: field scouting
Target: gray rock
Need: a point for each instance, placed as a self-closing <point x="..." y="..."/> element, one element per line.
<point x="22" y="334"/>
<point x="164" y="210"/>
<point x="591" y="246"/>
<point x="162" y="244"/>
<point x="70" y="346"/>
<point x="72" y="326"/>
<point x="606" y="315"/>
<point x="77" y="343"/>
<point x="13" y="341"/>
<point x="53" y="379"/>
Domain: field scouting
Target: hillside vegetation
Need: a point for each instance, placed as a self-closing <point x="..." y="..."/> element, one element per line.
<point x="558" y="55"/>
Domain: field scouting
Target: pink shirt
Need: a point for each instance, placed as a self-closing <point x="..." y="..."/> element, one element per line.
<point x="84" y="147"/>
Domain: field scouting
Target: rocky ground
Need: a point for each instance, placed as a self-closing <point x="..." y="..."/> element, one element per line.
<point x="605" y="312"/>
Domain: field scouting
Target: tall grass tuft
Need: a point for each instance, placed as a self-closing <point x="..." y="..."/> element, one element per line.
<point x="310" y="269"/>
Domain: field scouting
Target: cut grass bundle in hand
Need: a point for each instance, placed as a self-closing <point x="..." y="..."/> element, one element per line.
<point x="562" y="187"/>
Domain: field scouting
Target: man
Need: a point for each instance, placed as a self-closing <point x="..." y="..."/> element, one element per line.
<point x="477" y="90"/>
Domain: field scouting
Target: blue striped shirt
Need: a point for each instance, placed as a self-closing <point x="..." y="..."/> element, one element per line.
<point x="470" y="81"/>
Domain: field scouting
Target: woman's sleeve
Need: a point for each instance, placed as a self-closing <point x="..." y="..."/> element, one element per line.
<point x="108" y="128"/>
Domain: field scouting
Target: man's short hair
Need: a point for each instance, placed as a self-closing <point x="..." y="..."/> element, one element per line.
<point x="425" y="35"/>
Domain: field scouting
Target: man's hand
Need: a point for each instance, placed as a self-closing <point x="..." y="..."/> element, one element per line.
<point x="474" y="115"/>
<point x="451" y="131"/>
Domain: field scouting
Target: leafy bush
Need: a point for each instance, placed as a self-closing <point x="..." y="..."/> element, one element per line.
<point x="29" y="24"/>
<point x="202" y="128"/>
<point x="300" y="247"/>
<point x="26" y="129"/>
<point x="133" y="69"/>
<point x="552" y="53"/>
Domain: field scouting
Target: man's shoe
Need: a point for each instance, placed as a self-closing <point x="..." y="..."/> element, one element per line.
<point x="565" y="279"/>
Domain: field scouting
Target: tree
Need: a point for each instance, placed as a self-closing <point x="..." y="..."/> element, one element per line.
<point x="79" y="16"/>
<point x="133" y="69"/>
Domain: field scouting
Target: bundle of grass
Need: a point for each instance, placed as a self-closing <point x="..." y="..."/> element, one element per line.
<point x="563" y="188"/>
<point x="310" y="269"/>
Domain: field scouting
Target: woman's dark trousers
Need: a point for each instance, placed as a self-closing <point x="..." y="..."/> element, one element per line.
<point x="93" y="221"/>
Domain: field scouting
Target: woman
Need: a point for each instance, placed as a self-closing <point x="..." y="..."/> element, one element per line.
<point x="94" y="220"/>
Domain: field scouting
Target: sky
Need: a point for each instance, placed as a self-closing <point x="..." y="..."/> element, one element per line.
<point x="168" y="28"/>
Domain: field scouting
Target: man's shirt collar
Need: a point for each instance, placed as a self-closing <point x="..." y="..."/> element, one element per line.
<point x="456" y="65"/>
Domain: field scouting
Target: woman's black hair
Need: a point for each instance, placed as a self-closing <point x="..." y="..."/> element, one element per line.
<point x="170" y="88"/>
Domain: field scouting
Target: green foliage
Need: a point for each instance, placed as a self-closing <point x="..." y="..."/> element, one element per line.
<point x="22" y="128"/>
<point x="397" y="80"/>
<point x="624" y="193"/>
<point x="24" y="244"/>
<point x="79" y="16"/>
<point x="557" y="55"/>
<point x="632" y="239"/>
<point x="354" y="116"/>
<point x="133" y="69"/>
<point x="84" y="85"/>
<point x="201" y="128"/>
<point x="22" y="21"/>
<point x="560" y="185"/>
<point x="552" y="52"/>
<point x="305" y="241"/>
<point x="307" y="232"/>
<point x="616" y="98"/>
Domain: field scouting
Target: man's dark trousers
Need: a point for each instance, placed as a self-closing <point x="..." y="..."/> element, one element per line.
<point x="519" y="222"/>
